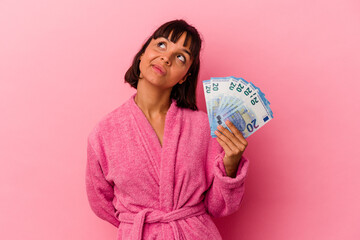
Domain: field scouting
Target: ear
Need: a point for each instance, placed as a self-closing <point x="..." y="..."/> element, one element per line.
<point x="184" y="79"/>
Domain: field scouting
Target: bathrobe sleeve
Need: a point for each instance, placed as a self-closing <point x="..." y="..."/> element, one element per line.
<point x="100" y="192"/>
<point x="225" y="193"/>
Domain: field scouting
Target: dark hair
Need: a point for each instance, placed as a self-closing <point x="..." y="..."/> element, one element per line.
<point x="185" y="93"/>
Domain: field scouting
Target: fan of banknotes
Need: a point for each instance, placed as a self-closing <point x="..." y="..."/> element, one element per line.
<point x="235" y="99"/>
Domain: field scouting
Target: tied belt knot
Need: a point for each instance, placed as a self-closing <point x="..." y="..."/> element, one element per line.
<point x="149" y="215"/>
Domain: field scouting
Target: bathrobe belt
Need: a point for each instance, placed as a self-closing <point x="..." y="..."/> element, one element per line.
<point x="149" y="215"/>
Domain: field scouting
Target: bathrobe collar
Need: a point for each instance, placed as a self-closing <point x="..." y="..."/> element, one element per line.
<point x="163" y="158"/>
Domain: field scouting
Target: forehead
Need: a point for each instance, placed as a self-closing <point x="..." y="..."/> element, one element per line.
<point x="182" y="38"/>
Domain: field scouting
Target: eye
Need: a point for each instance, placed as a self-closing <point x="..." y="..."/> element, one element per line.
<point x="181" y="58"/>
<point x="161" y="45"/>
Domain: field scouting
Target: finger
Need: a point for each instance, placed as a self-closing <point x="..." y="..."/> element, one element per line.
<point x="235" y="141"/>
<point x="223" y="144"/>
<point x="236" y="132"/>
<point x="233" y="147"/>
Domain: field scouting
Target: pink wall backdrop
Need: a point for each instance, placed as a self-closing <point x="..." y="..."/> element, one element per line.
<point x="61" y="69"/>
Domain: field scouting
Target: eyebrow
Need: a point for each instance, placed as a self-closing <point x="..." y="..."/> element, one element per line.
<point x="183" y="49"/>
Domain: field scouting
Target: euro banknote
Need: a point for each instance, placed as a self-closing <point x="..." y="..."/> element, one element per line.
<point x="235" y="99"/>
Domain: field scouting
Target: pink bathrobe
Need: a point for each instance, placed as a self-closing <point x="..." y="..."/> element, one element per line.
<point x="149" y="191"/>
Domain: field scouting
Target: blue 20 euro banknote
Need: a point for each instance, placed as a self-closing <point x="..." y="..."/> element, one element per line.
<point x="235" y="99"/>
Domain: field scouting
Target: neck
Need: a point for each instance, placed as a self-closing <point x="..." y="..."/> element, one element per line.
<point x="152" y="101"/>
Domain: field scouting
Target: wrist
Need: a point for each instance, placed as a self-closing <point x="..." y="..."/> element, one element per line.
<point x="231" y="170"/>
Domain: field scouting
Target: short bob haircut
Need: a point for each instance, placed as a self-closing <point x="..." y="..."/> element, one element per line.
<point x="185" y="93"/>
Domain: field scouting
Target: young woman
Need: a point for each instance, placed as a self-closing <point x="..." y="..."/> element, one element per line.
<point x="153" y="170"/>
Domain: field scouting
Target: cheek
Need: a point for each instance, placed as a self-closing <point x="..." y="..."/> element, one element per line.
<point x="148" y="55"/>
<point x="185" y="70"/>
<point x="180" y="74"/>
<point x="141" y="66"/>
<point x="144" y="59"/>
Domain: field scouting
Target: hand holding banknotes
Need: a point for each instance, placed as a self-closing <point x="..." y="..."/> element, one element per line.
<point x="236" y="109"/>
<point x="234" y="145"/>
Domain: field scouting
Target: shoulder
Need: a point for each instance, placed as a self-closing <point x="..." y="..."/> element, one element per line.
<point x="109" y="122"/>
<point x="196" y="115"/>
<point x="197" y="120"/>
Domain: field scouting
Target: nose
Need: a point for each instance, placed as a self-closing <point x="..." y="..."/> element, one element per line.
<point x="166" y="59"/>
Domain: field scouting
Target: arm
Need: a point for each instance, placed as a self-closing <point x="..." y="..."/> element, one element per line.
<point x="225" y="193"/>
<point x="100" y="192"/>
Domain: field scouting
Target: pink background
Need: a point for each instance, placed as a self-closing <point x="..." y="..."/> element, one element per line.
<point x="61" y="69"/>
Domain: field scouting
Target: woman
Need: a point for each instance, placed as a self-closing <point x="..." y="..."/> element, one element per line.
<point x="153" y="170"/>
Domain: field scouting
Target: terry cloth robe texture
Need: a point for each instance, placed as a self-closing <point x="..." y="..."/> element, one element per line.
<point x="149" y="191"/>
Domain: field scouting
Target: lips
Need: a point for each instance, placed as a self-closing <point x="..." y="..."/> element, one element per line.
<point x="159" y="69"/>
